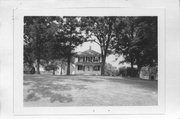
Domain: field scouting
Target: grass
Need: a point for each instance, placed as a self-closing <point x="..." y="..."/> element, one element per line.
<point x="49" y="90"/>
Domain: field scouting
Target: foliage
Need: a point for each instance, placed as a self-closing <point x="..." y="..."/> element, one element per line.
<point x="110" y="70"/>
<point x="35" y="35"/>
<point x="132" y="72"/>
<point x="102" y="28"/>
<point x="122" y="71"/>
<point x="51" y="67"/>
<point x="51" y="39"/>
<point x="137" y="40"/>
<point x="128" y="71"/>
<point x="28" y="69"/>
<point x="68" y="37"/>
<point x="145" y="44"/>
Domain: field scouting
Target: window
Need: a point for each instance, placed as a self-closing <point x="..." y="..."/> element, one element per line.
<point x="80" y="59"/>
<point x="96" y="68"/>
<point x="95" y="59"/>
<point x="88" y="59"/>
<point x="88" y="68"/>
<point x="80" y="67"/>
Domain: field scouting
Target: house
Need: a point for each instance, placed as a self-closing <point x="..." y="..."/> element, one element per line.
<point x="88" y="63"/>
<point x="85" y="63"/>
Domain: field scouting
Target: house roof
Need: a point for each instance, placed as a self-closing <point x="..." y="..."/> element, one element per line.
<point x="89" y="53"/>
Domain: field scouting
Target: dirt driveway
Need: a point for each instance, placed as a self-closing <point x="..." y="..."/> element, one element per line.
<point x="48" y="90"/>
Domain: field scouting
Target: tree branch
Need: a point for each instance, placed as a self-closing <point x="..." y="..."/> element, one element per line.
<point x="94" y="41"/>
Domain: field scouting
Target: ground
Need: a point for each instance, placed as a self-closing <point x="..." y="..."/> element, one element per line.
<point x="49" y="90"/>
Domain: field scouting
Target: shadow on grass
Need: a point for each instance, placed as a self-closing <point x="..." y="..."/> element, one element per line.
<point x="46" y="92"/>
<point x="32" y="97"/>
<point x="26" y="83"/>
<point x="40" y="88"/>
<point x="136" y="82"/>
<point x="89" y="80"/>
<point x="61" y="98"/>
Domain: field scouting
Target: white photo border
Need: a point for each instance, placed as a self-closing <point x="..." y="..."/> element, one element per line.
<point x="19" y="14"/>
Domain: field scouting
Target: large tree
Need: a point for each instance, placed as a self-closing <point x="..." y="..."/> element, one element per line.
<point x="126" y="31"/>
<point x="51" y="38"/>
<point x="145" y="43"/>
<point x="36" y="34"/>
<point x="69" y="37"/>
<point x="137" y="40"/>
<point x="103" y="30"/>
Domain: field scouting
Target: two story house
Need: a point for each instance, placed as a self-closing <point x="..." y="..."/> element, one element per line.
<point x="88" y="63"/>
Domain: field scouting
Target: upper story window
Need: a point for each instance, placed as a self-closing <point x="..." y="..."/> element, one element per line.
<point x="96" y="59"/>
<point x="80" y="59"/>
<point x="88" y="59"/>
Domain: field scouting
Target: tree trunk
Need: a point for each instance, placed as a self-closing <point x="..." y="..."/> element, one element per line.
<point x="53" y="72"/>
<point x="103" y="65"/>
<point x="61" y="68"/>
<point x="38" y="66"/>
<point x="132" y="64"/>
<point x="132" y="68"/>
<point x="68" y="64"/>
<point x="69" y="57"/>
<point x="139" y="69"/>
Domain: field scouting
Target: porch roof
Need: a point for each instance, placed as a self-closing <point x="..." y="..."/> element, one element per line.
<point x="88" y="63"/>
<point x="89" y="53"/>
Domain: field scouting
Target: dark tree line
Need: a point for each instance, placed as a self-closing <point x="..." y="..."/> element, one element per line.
<point x="137" y="41"/>
<point x="55" y="38"/>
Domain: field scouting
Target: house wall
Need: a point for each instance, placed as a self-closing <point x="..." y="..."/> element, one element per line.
<point x="87" y="72"/>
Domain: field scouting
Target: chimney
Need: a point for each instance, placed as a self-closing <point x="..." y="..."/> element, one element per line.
<point x="89" y="47"/>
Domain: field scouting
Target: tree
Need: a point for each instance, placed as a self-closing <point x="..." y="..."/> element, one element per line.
<point x="35" y="35"/>
<point x="145" y="43"/>
<point x="70" y="36"/>
<point x="137" y="40"/>
<point x="126" y="31"/>
<point x="52" y="67"/>
<point x="103" y="29"/>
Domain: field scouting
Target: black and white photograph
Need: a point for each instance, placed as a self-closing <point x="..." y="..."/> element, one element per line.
<point x="90" y="61"/>
<point x="101" y="59"/>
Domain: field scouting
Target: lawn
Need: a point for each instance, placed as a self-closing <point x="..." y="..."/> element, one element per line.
<point x="49" y="90"/>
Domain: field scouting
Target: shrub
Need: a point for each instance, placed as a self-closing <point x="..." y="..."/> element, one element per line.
<point x="28" y="69"/>
<point x="127" y="71"/>
<point x="110" y="70"/>
<point x="132" y="72"/>
<point x="122" y="71"/>
<point x="51" y="67"/>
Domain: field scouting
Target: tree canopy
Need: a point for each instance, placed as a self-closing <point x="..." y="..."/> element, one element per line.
<point x="137" y="40"/>
<point x="51" y="38"/>
<point x="103" y="29"/>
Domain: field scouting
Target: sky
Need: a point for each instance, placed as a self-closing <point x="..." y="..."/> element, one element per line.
<point x="94" y="46"/>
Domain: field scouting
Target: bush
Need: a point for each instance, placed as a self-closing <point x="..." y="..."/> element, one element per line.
<point x="132" y="72"/>
<point x="110" y="70"/>
<point x="28" y="69"/>
<point x="122" y="71"/>
<point x="51" y="67"/>
<point x="127" y="71"/>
